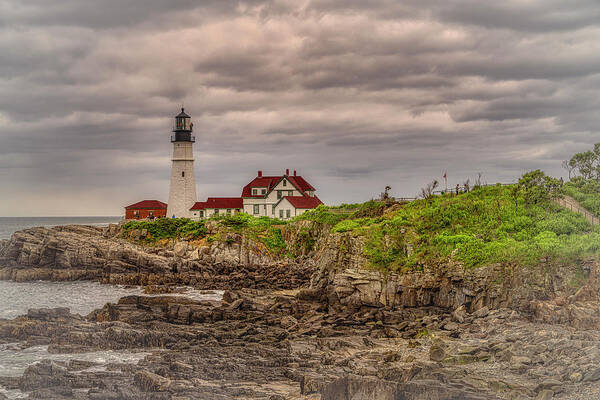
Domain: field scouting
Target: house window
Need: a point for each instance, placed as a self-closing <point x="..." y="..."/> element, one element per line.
<point x="254" y="192"/>
<point x="281" y="214"/>
<point x="216" y="211"/>
<point x="287" y="213"/>
<point x="284" y="182"/>
<point x="278" y="194"/>
<point x="273" y="210"/>
<point x="290" y="192"/>
<point x="182" y="174"/>
<point x="256" y="209"/>
<point x="201" y="214"/>
<point x="263" y="191"/>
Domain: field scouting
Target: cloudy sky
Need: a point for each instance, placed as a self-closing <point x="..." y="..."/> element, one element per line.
<point x="354" y="94"/>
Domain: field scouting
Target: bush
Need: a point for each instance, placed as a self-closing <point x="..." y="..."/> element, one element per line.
<point x="274" y="241"/>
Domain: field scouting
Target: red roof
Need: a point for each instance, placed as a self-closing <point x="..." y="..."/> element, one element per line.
<point x="304" y="201"/>
<point x="270" y="182"/>
<point x="148" y="204"/>
<point x="219" y="202"/>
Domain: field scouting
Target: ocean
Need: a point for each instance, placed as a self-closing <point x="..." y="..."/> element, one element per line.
<point x="80" y="297"/>
<point x="9" y="225"/>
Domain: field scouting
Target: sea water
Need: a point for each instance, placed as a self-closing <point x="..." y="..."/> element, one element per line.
<point x="80" y="297"/>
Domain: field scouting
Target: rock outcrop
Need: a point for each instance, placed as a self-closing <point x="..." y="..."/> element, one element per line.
<point x="89" y="253"/>
<point x="322" y="325"/>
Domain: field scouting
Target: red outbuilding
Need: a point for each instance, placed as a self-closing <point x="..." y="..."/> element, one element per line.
<point x="146" y="209"/>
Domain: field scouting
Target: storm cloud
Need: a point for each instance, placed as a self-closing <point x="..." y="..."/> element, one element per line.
<point x="354" y="94"/>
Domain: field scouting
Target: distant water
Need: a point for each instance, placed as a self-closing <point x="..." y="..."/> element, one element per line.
<point x="81" y="297"/>
<point x="9" y="225"/>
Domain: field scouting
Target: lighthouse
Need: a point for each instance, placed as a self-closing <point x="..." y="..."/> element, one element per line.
<point x="182" y="191"/>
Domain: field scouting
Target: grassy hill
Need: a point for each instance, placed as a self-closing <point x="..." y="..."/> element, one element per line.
<point x="493" y="224"/>
<point x="488" y="225"/>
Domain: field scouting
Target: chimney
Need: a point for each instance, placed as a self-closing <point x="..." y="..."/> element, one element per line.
<point x="294" y="172"/>
<point x="259" y="174"/>
<point x="287" y="171"/>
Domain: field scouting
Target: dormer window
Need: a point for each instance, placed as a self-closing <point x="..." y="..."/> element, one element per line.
<point x="254" y="192"/>
<point x="263" y="191"/>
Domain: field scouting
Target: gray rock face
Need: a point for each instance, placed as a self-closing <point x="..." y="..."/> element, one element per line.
<point x="85" y="252"/>
<point x="360" y="388"/>
<point x="46" y="374"/>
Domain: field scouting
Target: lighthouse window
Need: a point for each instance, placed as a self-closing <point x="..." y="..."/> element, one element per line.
<point x="182" y="174"/>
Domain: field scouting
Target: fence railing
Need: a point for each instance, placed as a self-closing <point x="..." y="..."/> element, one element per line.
<point x="463" y="189"/>
<point x="572" y="205"/>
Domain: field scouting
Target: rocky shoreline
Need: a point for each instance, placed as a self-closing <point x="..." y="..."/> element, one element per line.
<point x="317" y="326"/>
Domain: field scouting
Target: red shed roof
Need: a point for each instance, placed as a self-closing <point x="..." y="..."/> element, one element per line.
<point x="219" y="202"/>
<point x="304" y="201"/>
<point x="148" y="204"/>
<point x="270" y="182"/>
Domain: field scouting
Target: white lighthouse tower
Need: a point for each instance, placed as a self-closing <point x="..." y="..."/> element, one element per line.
<point x="182" y="191"/>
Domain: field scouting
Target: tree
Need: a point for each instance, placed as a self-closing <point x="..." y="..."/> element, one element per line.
<point x="538" y="188"/>
<point x="567" y="165"/>
<point x="427" y="191"/>
<point x="587" y="163"/>
<point x="386" y="194"/>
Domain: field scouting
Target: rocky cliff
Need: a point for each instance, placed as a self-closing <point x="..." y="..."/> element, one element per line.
<point x="85" y="252"/>
<point x="332" y="265"/>
<point x="346" y="331"/>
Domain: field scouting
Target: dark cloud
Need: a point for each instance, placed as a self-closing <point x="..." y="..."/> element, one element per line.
<point x="354" y="94"/>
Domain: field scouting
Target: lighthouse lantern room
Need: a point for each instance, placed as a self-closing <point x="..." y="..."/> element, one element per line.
<point x="182" y="190"/>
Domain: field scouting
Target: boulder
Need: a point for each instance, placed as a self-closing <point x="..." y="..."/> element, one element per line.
<point x="147" y="381"/>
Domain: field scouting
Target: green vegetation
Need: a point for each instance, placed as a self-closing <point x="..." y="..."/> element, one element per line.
<point x="586" y="192"/>
<point x="584" y="179"/>
<point x="243" y="221"/>
<point x="263" y="229"/>
<point x="167" y="228"/>
<point x="494" y="224"/>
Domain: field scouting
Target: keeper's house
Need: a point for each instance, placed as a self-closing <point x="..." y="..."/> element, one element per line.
<point x="282" y="196"/>
<point x="216" y="206"/>
<point x="146" y="209"/>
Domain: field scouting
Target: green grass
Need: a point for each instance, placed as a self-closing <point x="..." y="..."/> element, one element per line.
<point x="478" y="228"/>
<point x="586" y="192"/>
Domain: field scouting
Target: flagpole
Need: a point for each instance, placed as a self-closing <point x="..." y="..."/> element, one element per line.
<point x="445" y="182"/>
